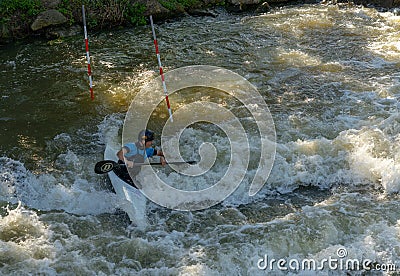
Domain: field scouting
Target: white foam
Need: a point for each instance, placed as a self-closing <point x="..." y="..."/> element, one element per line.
<point x="24" y="237"/>
<point x="73" y="194"/>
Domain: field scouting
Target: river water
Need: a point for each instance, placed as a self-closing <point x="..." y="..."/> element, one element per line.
<point x="330" y="76"/>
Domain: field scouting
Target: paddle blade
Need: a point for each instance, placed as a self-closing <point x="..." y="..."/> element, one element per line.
<point x="105" y="166"/>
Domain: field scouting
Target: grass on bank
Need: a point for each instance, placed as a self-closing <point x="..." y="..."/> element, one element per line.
<point x="16" y="16"/>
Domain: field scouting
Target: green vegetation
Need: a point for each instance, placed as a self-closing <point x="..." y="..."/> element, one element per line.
<point x="174" y="5"/>
<point x="66" y="9"/>
<point x="112" y="12"/>
<point x="15" y="16"/>
<point x="135" y="15"/>
<point x="28" y="7"/>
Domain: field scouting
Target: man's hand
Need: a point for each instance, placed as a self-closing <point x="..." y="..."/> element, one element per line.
<point x="162" y="160"/>
<point x="130" y="164"/>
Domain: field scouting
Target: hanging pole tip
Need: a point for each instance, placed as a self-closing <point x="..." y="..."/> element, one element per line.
<point x="87" y="53"/>
<point x="161" y="69"/>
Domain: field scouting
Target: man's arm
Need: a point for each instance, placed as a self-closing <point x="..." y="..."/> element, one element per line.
<point x="121" y="156"/>
<point x="162" y="158"/>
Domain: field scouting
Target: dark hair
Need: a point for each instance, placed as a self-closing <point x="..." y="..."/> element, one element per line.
<point x="146" y="135"/>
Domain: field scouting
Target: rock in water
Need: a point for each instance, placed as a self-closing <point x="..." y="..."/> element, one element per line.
<point x="48" y="18"/>
<point x="263" y="8"/>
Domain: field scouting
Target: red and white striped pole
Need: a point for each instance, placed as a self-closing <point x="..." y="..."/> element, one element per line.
<point x="87" y="53"/>
<point x="161" y="69"/>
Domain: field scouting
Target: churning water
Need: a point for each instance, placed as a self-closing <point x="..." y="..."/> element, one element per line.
<point x="330" y="76"/>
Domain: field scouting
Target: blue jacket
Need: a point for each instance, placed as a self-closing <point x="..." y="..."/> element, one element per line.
<point x="133" y="150"/>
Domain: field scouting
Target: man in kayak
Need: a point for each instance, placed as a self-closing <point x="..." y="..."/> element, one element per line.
<point x="138" y="152"/>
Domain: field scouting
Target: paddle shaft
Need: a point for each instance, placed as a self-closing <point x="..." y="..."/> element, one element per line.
<point x="157" y="163"/>
<point x="106" y="166"/>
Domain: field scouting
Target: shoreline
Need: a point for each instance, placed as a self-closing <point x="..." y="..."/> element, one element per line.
<point x="55" y="19"/>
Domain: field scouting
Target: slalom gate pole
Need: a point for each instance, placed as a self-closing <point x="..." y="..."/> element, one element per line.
<point x="87" y="53"/>
<point x="161" y="69"/>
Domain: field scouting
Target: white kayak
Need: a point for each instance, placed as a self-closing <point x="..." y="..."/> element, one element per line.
<point x="133" y="201"/>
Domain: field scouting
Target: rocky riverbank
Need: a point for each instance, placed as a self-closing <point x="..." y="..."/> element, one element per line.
<point x="61" y="18"/>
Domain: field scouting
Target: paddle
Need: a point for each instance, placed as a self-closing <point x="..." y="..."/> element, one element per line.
<point x="106" y="166"/>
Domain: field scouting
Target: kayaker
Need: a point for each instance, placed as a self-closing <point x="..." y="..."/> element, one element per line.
<point x="138" y="152"/>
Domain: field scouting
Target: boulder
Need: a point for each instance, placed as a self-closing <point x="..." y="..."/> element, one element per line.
<point x="63" y="31"/>
<point x="48" y="18"/>
<point x="379" y="3"/>
<point x="263" y="8"/>
<point x="244" y="2"/>
<point x="153" y="7"/>
<point x="202" y="12"/>
<point x="255" y="2"/>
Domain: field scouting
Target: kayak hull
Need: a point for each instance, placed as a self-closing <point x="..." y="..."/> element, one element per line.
<point x="133" y="202"/>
